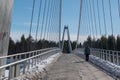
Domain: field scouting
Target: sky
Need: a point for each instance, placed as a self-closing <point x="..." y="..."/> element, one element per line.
<point x="70" y="16"/>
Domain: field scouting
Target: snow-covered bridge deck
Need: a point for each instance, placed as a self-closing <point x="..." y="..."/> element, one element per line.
<point x="72" y="67"/>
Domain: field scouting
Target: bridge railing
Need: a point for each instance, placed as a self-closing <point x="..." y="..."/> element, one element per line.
<point x="108" y="60"/>
<point x="23" y="61"/>
<point x="108" y="55"/>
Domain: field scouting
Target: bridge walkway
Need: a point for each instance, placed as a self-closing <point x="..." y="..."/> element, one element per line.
<point x="72" y="67"/>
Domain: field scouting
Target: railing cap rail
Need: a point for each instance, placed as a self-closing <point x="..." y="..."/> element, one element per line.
<point x="17" y="62"/>
<point x="24" y="53"/>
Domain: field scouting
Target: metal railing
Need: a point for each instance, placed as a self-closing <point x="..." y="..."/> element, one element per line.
<point x="24" y="61"/>
<point x="108" y="55"/>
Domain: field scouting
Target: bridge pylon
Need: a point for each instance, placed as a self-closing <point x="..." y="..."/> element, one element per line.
<point x="68" y="35"/>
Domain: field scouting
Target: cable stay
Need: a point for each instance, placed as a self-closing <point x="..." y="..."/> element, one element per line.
<point x="47" y="19"/>
<point x="31" y="24"/>
<point x="79" y="22"/>
<point x="94" y="18"/>
<point x="104" y="17"/>
<point x="119" y="7"/>
<point x="43" y="19"/>
<point x="111" y="22"/>
<point x="99" y="18"/>
<point x="38" y="21"/>
<point x="91" y="18"/>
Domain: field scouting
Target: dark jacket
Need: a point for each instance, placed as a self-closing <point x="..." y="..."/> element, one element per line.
<point x="87" y="51"/>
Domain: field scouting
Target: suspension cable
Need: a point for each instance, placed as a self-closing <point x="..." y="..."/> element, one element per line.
<point x="89" y="21"/>
<point x="53" y="25"/>
<point x="47" y="19"/>
<point x="38" y="19"/>
<point x="104" y="17"/>
<point x="32" y="17"/>
<point x="80" y="14"/>
<point x="60" y="13"/>
<point x="119" y="8"/>
<point x="91" y="18"/>
<point x="50" y="35"/>
<point x="45" y="4"/>
<point x="94" y="17"/>
<point x="87" y="11"/>
<point x="86" y="17"/>
<point x="29" y="47"/>
<point x="111" y="23"/>
<point x="99" y="18"/>
<point x="111" y="17"/>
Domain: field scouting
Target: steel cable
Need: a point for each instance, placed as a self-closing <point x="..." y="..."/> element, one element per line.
<point x="43" y="19"/>
<point x="38" y="21"/>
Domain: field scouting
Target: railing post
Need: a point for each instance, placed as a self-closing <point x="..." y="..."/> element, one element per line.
<point x="28" y="62"/>
<point x="32" y="59"/>
<point x="117" y="58"/>
<point x="109" y="56"/>
<point x="17" y="68"/>
<point x="113" y="56"/>
<point x="12" y="69"/>
<point x="10" y="73"/>
<point x="24" y="67"/>
<point x="35" y="59"/>
<point x="102" y="54"/>
<point x="98" y="53"/>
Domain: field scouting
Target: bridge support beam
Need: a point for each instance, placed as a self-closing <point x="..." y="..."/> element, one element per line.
<point x="6" y="7"/>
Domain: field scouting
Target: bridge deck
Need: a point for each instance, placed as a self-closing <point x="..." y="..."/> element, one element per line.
<point x="72" y="67"/>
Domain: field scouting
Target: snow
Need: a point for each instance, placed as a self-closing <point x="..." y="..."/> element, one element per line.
<point x="109" y="67"/>
<point x="42" y="66"/>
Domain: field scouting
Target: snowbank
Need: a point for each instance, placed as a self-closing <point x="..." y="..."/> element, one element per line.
<point x="39" y="71"/>
<point x="109" y="67"/>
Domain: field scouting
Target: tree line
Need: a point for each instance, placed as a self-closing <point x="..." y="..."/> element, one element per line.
<point x="110" y="43"/>
<point x="28" y="44"/>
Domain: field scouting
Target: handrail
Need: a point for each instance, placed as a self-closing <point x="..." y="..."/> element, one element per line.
<point x="7" y="65"/>
<point x="107" y="55"/>
<point x="15" y="66"/>
<point x="25" y="53"/>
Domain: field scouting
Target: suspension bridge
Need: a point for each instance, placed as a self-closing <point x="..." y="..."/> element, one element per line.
<point x="41" y="57"/>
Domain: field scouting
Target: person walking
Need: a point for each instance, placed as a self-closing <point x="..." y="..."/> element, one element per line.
<point x="87" y="53"/>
